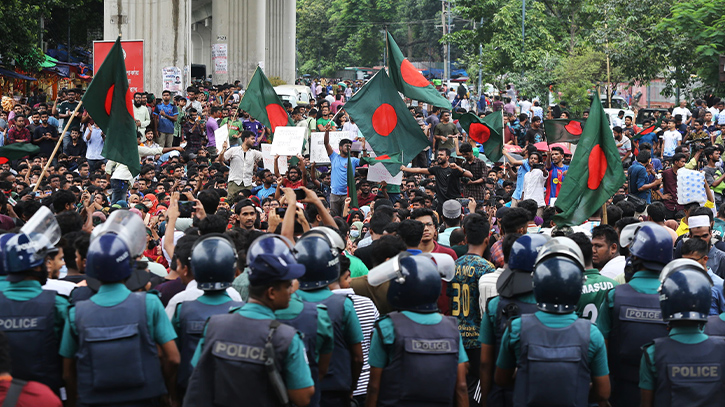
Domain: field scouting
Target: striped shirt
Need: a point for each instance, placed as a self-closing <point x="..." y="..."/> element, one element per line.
<point x="367" y="313"/>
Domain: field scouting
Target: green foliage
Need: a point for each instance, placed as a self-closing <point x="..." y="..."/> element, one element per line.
<point x="276" y="81"/>
<point x="575" y="76"/>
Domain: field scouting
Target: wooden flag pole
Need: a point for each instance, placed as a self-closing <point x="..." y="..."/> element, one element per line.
<point x="604" y="213"/>
<point x="57" y="145"/>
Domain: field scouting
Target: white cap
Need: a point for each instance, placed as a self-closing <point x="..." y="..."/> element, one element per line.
<point x="698" y="221"/>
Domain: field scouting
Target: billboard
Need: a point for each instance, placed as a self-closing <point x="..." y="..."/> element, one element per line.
<point x="133" y="56"/>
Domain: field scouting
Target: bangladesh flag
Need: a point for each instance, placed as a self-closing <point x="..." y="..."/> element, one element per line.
<point x="563" y="130"/>
<point x="109" y="102"/>
<point x="17" y="151"/>
<point x="409" y="81"/>
<point x="391" y="162"/>
<point x="649" y="129"/>
<point x="262" y="103"/>
<point x="384" y="120"/>
<point x="595" y="172"/>
<point x="487" y="131"/>
<point x="351" y="187"/>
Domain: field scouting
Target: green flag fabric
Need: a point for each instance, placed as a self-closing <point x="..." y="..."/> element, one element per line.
<point x="409" y="81"/>
<point x="109" y="103"/>
<point x="17" y="151"/>
<point x="563" y="130"/>
<point x="487" y="131"/>
<point x="351" y="187"/>
<point x="595" y="172"/>
<point x="391" y="162"/>
<point x="384" y="120"/>
<point x="649" y="129"/>
<point x="262" y="103"/>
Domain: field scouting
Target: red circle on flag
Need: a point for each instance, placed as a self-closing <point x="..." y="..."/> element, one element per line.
<point x="277" y="115"/>
<point x="411" y="76"/>
<point x="109" y="101"/>
<point x="479" y="132"/>
<point x="574" y="127"/>
<point x="597" y="167"/>
<point x="384" y="119"/>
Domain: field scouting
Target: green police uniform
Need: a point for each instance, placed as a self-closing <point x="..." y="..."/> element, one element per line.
<point x="645" y="282"/>
<point x="487" y="333"/>
<point x="325" y="342"/>
<point x="351" y="327"/>
<point x="689" y="335"/>
<point x="29" y="289"/>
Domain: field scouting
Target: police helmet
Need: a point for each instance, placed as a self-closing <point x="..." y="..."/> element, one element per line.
<point x="24" y="252"/>
<point x="3" y="250"/>
<point x="558" y="278"/>
<point x="271" y="244"/>
<point x="524" y="252"/>
<point x="321" y="259"/>
<point x="417" y="286"/>
<point x="213" y="262"/>
<point x="685" y="292"/>
<point x="109" y="259"/>
<point x="562" y="246"/>
<point x="652" y="245"/>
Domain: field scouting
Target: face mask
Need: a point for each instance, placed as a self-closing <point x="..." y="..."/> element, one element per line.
<point x="354" y="233"/>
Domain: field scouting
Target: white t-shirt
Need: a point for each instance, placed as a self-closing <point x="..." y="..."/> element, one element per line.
<point x="534" y="186"/>
<point x="670" y="139"/>
<point x="685" y="112"/>
<point x="524" y="107"/>
<point x="625" y="147"/>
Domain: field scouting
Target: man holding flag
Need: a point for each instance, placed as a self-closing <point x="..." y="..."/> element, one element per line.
<point x="340" y="164"/>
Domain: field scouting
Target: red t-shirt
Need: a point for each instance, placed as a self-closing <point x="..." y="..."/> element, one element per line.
<point x="34" y="394"/>
<point x="289" y="184"/>
<point x="444" y="303"/>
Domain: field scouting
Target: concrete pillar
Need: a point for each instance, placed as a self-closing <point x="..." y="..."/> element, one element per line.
<point x="163" y="25"/>
<point x="280" y="39"/>
<point x="241" y="24"/>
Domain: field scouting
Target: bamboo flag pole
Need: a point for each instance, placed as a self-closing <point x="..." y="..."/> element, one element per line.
<point x="57" y="145"/>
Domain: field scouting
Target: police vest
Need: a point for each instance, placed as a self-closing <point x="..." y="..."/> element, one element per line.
<point x="117" y="359"/>
<point x="637" y="320"/>
<point x="30" y="329"/>
<point x="689" y="374"/>
<point x="715" y="326"/>
<point x="550" y="357"/>
<point x="339" y="374"/>
<point x="192" y="318"/>
<point x="424" y="364"/>
<point x="306" y="324"/>
<point x="231" y="370"/>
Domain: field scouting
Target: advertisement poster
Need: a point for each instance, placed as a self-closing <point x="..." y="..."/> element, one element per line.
<point x="133" y="57"/>
<point x="219" y="57"/>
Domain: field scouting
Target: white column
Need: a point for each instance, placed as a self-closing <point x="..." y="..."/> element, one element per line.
<point x="281" y="33"/>
<point x="243" y="24"/>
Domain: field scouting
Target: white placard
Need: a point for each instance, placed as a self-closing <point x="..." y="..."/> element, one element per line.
<point x="219" y="57"/>
<point x="220" y="136"/>
<point x="318" y="153"/>
<point x="171" y="77"/>
<point x="269" y="159"/>
<point x="378" y="173"/>
<point x="288" y="140"/>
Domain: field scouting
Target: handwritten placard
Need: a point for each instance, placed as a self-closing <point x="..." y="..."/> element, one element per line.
<point x="378" y="173"/>
<point x="288" y="140"/>
<point x="318" y="153"/>
<point x="220" y="136"/>
<point x="269" y="159"/>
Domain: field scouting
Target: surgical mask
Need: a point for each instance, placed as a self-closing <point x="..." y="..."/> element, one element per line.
<point x="354" y="233"/>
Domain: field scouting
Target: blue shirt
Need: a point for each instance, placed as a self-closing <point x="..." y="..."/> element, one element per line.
<point x="638" y="177"/>
<point x="166" y="125"/>
<point x="523" y="169"/>
<point x="266" y="192"/>
<point x="338" y="174"/>
<point x="650" y="138"/>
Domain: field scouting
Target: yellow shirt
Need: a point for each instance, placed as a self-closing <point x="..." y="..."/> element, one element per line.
<point x="683" y="228"/>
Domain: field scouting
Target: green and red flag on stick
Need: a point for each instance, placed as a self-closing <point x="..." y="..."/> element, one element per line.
<point x="17" y="151"/>
<point x="409" y="81"/>
<point x="391" y="162"/>
<point x="563" y="130"/>
<point x="262" y="103"/>
<point x="595" y="172"/>
<point x="487" y="131"/>
<point x="649" y="129"/>
<point x="109" y="103"/>
<point x="384" y="120"/>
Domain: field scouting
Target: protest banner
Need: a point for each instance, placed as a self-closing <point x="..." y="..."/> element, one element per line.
<point x="318" y="153"/>
<point x="269" y="159"/>
<point x="220" y="136"/>
<point x="378" y="173"/>
<point x="288" y="140"/>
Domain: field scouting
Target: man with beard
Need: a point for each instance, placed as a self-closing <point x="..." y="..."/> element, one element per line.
<point x="167" y="115"/>
<point x="557" y="170"/>
<point x="700" y="223"/>
<point x="605" y="254"/>
<point x="65" y="110"/>
<point x="364" y="194"/>
<point x="448" y="185"/>
<point x="140" y="113"/>
<point x="338" y="165"/>
<point x="246" y="214"/>
<point x="296" y="177"/>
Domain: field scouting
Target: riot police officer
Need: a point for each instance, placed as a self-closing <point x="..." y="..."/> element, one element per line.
<point x="416" y="354"/>
<point x="33" y="318"/>
<point x="110" y="341"/>
<point x="310" y="319"/>
<point x="4" y="238"/>
<point x="515" y="298"/>
<point x="685" y="367"/>
<point x="248" y="357"/>
<point x="319" y="250"/>
<point x="553" y="346"/>
<point x="630" y="316"/>
<point x="213" y="262"/>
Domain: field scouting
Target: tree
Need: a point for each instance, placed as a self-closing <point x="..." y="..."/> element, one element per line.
<point x="577" y="75"/>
